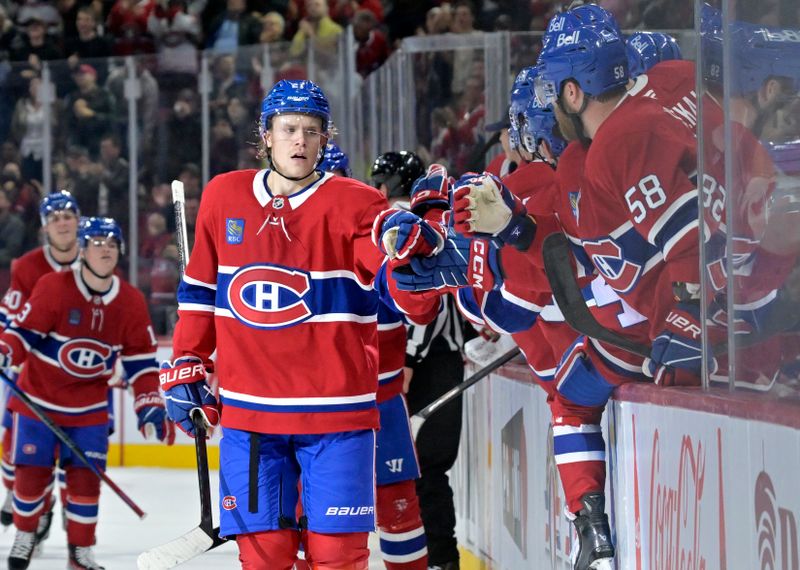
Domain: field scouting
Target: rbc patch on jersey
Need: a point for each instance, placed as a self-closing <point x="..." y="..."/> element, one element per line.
<point x="74" y="316"/>
<point x="574" y="201"/>
<point x="234" y="230"/>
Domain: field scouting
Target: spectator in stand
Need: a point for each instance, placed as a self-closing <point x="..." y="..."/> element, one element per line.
<point x="9" y="153"/>
<point x="33" y="46"/>
<point x="26" y="196"/>
<point x="88" y="44"/>
<point x="227" y="84"/>
<point x="183" y="129"/>
<point x="224" y="150"/>
<point x="27" y="130"/>
<point x="113" y="173"/>
<point x="177" y="35"/>
<point x="373" y="48"/>
<point x="273" y="25"/>
<point x="463" y="23"/>
<point x="344" y="11"/>
<point x="156" y="238"/>
<point x="80" y="176"/>
<point x="12" y="235"/>
<point x="7" y="33"/>
<point x="317" y="27"/>
<point x="89" y="109"/>
<point x="164" y="278"/>
<point x="39" y="10"/>
<point x="127" y="24"/>
<point x="233" y="28"/>
<point x="241" y="119"/>
<point x="403" y="19"/>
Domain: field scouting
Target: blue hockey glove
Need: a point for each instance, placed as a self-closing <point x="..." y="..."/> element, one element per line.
<point x="152" y="416"/>
<point x="676" y="358"/>
<point x="448" y="268"/>
<point x="402" y="235"/>
<point x="484" y="207"/>
<point x="185" y="390"/>
<point x="430" y="195"/>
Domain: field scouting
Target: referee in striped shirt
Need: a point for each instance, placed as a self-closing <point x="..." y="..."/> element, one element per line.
<point x="434" y="365"/>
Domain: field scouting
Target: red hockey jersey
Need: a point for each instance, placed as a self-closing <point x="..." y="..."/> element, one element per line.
<point x="70" y="340"/>
<point x="282" y="287"/>
<point x="637" y="207"/>
<point x="25" y="272"/>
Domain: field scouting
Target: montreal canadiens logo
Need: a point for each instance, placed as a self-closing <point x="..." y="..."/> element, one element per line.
<point x="606" y="256"/>
<point x="84" y="357"/>
<point x="229" y="502"/>
<point x="266" y="296"/>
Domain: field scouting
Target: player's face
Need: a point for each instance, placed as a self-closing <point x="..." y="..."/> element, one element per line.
<point x="102" y="254"/>
<point x="62" y="229"/>
<point x="295" y="142"/>
<point x="565" y="124"/>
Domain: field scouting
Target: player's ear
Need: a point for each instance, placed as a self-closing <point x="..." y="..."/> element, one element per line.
<point x="769" y="91"/>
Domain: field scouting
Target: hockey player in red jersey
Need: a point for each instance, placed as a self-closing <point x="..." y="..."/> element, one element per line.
<point x="69" y="334"/>
<point x="59" y="213"/>
<point x="397" y="508"/>
<point x="641" y="247"/>
<point x="281" y="282"/>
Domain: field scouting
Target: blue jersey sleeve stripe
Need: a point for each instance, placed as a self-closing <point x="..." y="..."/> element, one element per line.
<point x="508" y="314"/>
<point x="195" y="294"/>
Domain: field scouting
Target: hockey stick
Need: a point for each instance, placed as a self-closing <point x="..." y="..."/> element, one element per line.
<point x="556" y="253"/>
<point x="418" y="419"/>
<point x="66" y="440"/>
<point x="205" y="536"/>
<point x="569" y="298"/>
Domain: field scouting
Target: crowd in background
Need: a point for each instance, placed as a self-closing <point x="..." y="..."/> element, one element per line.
<point x="85" y="40"/>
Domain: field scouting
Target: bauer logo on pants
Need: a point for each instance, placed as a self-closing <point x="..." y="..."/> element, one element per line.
<point x="234" y="230"/>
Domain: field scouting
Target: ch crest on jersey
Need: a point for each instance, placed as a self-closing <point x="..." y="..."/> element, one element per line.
<point x="620" y="273"/>
<point x="84" y="357"/>
<point x="234" y="230"/>
<point x="269" y="296"/>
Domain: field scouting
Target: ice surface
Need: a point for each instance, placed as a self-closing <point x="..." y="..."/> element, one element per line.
<point x="171" y="501"/>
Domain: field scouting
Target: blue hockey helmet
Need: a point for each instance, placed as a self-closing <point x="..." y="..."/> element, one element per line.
<point x="56" y="202"/>
<point x="295" y="97"/>
<point x="758" y="53"/>
<point x="100" y="227"/>
<point x="578" y="17"/>
<point x="335" y="159"/>
<point x="539" y="125"/>
<point x="593" y="55"/>
<point x="645" y="49"/>
<point x="521" y="95"/>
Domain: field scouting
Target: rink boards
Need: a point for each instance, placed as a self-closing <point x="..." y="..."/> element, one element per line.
<point x="696" y="481"/>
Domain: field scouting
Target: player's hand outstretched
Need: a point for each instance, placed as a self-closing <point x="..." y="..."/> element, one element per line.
<point x="402" y="235"/>
<point x="186" y="390"/>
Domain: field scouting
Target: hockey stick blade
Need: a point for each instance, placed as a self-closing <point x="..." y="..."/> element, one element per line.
<point x="569" y="298"/>
<point x="194" y="543"/>
<point x="418" y="419"/>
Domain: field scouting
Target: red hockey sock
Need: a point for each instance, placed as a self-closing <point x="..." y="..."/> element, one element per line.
<point x="83" y="497"/>
<point x="273" y="550"/>
<point x="402" y="535"/>
<point x="31" y="496"/>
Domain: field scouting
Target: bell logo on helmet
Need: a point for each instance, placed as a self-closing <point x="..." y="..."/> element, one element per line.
<point x="568" y="39"/>
<point x="268" y="296"/>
